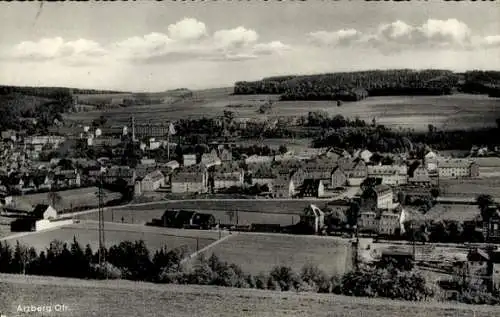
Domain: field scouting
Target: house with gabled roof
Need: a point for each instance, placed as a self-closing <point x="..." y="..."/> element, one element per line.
<point x="356" y="170"/>
<point x="192" y="179"/>
<point x="152" y="181"/>
<point x="264" y="175"/>
<point x="225" y="155"/>
<point x="377" y="197"/>
<point x="226" y="175"/>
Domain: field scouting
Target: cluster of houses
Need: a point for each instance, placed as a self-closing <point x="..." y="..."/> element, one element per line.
<point x="313" y="174"/>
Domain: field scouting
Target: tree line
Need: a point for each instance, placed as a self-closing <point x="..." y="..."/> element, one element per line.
<point x="133" y="261"/>
<point x="354" y="86"/>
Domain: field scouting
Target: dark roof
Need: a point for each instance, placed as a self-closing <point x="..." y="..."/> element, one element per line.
<point x="39" y="210"/>
<point x="478" y="255"/>
<point x="311" y="183"/>
<point x="382" y="188"/>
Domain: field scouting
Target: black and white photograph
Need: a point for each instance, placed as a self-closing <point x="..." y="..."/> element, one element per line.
<point x="250" y="158"/>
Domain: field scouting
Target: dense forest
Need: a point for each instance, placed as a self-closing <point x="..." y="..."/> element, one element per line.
<point x="354" y="86"/>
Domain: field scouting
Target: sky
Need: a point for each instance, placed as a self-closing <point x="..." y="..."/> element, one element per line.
<point x="160" y="45"/>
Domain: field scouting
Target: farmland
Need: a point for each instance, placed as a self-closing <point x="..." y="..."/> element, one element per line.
<point x="416" y="112"/>
<point x="257" y="253"/>
<point x="81" y="197"/>
<point x="124" y="298"/>
<point x="154" y="238"/>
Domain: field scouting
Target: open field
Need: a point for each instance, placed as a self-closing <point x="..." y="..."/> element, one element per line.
<point x="244" y="218"/>
<point x="71" y="198"/>
<point x="284" y="212"/>
<point x="488" y="166"/>
<point x="154" y="238"/>
<point x="470" y="187"/>
<point x="416" y="112"/>
<point x="5" y="226"/>
<point x="125" y="298"/>
<point x="452" y="212"/>
<point x="259" y="252"/>
<point x="289" y="206"/>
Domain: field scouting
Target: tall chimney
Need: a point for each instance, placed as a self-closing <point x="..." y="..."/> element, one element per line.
<point x="133" y="129"/>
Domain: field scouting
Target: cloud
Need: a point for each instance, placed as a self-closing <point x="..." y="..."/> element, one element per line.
<point x="187" y="29"/>
<point x="446" y="34"/>
<point x="235" y="38"/>
<point x="55" y="48"/>
<point x="187" y="39"/>
<point x="340" y="37"/>
<point x="491" y="41"/>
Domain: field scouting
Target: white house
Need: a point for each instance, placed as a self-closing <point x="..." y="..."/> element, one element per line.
<point x="430" y="160"/>
<point x="189" y="159"/>
<point x="390" y="174"/>
<point x="152" y="181"/>
<point x="458" y="168"/>
<point x="258" y="159"/>
<point x="365" y="155"/>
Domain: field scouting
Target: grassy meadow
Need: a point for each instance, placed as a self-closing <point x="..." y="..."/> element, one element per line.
<point x="125" y="298"/>
<point x="155" y="238"/>
<point x="256" y="252"/>
<point x="470" y="187"/>
<point x="414" y="112"/>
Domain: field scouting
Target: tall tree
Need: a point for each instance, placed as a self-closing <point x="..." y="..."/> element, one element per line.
<point x="54" y="198"/>
<point x="487" y="208"/>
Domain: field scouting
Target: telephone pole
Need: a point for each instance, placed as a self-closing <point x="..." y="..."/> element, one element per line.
<point x="102" y="240"/>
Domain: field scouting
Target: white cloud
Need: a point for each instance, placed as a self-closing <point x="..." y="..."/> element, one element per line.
<point x="234" y="38"/>
<point x="449" y="34"/>
<point x="56" y="48"/>
<point x="340" y="37"/>
<point x="187" y="29"/>
<point x="491" y="41"/>
<point x="185" y="40"/>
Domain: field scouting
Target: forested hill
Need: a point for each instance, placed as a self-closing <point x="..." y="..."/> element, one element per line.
<point x="353" y="86"/>
<point x="51" y="92"/>
<point x="40" y="104"/>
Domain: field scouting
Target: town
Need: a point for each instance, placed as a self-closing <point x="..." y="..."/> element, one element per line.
<point x="386" y="205"/>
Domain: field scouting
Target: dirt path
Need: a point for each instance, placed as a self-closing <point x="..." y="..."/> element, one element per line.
<point x="195" y="254"/>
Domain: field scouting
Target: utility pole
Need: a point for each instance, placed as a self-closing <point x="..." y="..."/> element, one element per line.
<point x="102" y="244"/>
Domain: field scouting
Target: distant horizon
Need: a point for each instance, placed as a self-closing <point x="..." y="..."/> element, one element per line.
<point x="243" y="80"/>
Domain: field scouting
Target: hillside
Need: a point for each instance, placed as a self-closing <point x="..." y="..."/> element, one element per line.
<point x="355" y="86"/>
<point x="124" y="298"/>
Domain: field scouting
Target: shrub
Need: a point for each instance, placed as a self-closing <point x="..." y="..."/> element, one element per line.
<point x="261" y="281"/>
<point x="314" y="277"/>
<point x="105" y="270"/>
<point x="285" y="277"/>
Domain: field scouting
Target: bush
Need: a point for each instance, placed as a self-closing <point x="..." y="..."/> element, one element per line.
<point x="285" y="277"/>
<point x="105" y="270"/>
<point x="314" y="277"/>
<point x="261" y="281"/>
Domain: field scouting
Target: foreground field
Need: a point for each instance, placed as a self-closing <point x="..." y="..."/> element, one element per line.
<point x="243" y="218"/>
<point x="295" y="206"/>
<point x="71" y="198"/>
<point x="124" y="298"/>
<point x="257" y="253"/>
<point x="283" y="212"/>
<point x="154" y="238"/>
<point x="416" y="112"/>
